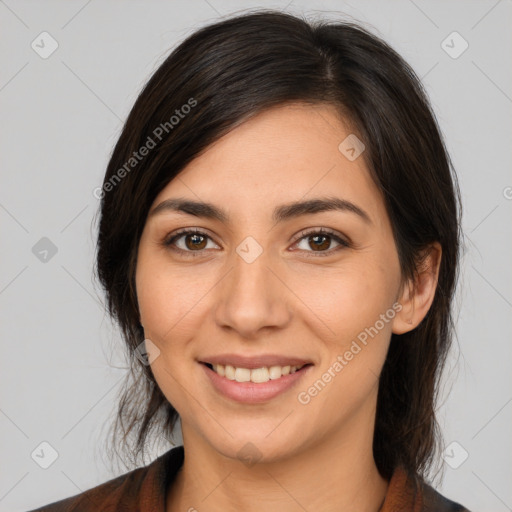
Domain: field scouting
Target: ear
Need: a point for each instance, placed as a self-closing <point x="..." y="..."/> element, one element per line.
<point x="416" y="296"/>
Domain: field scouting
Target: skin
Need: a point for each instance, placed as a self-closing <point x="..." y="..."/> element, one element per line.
<point x="314" y="456"/>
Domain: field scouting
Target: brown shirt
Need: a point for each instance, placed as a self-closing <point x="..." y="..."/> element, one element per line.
<point x="144" y="490"/>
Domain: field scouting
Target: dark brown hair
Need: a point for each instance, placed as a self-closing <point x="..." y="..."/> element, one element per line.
<point x="229" y="71"/>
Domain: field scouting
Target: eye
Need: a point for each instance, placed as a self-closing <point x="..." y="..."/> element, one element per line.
<point x="319" y="240"/>
<point x="190" y="241"/>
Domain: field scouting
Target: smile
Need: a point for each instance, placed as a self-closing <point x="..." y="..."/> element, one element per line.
<point x="254" y="385"/>
<point x="256" y="375"/>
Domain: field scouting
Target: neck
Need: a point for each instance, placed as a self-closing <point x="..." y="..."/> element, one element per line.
<point x="335" y="473"/>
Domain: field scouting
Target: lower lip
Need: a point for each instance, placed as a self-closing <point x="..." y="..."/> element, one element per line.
<point x="250" y="392"/>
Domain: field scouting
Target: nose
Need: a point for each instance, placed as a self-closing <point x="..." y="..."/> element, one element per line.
<point x="253" y="298"/>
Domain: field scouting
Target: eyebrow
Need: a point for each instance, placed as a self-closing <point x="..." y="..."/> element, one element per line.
<point x="280" y="214"/>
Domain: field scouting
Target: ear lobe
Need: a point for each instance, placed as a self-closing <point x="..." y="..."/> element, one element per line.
<point x="417" y="296"/>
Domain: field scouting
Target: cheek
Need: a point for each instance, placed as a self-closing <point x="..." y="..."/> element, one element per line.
<point x="357" y="306"/>
<point x="166" y="312"/>
<point x="169" y="298"/>
<point x="156" y="295"/>
<point x="350" y="298"/>
<point x="161" y="305"/>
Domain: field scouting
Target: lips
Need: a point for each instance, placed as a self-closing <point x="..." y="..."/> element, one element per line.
<point x="256" y="375"/>
<point x="253" y="391"/>
<point x="254" y="379"/>
<point x="251" y="362"/>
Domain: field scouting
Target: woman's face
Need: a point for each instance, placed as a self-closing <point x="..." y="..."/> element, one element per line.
<point x="262" y="288"/>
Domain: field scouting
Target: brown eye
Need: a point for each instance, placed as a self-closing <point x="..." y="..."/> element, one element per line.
<point x="195" y="241"/>
<point x="188" y="242"/>
<point x="320" y="241"/>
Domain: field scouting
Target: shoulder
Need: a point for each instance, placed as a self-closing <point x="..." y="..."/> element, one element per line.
<point x="138" y="490"/>
<point x="409" y="492"/>
<point x="435" y="502"/>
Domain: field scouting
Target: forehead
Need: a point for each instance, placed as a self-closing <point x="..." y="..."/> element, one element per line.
<point x="281" y="155"/>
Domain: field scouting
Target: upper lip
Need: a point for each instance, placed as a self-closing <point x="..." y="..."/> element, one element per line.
<point x="258" y="361"/>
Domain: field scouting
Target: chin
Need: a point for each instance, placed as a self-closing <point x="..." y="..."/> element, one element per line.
<point x="260" y="449"/>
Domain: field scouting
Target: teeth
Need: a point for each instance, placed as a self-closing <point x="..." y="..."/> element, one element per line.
<point x="221" y="370"/>
<point x="259" y="374"/>
<point x="229" y="372"/>
<point x="256" y="375"/>
<point x="242" y="375"/>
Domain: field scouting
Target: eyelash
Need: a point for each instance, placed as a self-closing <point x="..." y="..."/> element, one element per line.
<point x="169" y="242"/>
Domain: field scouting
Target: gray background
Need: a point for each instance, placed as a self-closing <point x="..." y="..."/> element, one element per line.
<point x="61" y="364"/>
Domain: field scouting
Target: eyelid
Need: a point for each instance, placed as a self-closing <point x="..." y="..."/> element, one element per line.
<point x="171" y="238"/>
<point x="342" y="240"/>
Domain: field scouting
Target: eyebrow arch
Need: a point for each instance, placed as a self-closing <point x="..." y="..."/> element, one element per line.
<point x="281" y="213"/>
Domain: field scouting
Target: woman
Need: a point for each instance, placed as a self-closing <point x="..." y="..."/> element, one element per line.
<point x="279" y="240"/>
